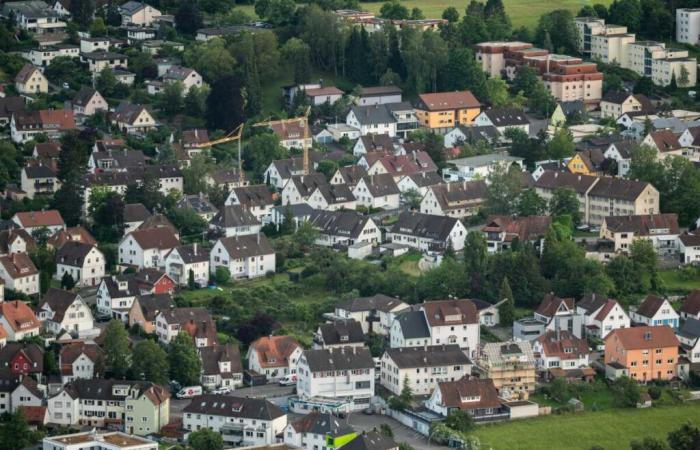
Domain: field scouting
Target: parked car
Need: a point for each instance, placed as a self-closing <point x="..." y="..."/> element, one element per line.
<point x="289" y="380"/>
<point x="222" y="390"/>
<point x="189" y="392"/>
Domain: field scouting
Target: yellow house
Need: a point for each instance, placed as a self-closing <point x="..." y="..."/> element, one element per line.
<point x="444" y="110"/>
<point x="30" y="80"/>
<point x="586" y="162"/>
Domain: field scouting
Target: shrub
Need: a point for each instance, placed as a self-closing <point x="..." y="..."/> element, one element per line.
<point x="222" y="275"/>
<point x="654" y="392"/>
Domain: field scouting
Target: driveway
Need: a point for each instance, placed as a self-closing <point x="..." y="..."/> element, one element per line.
<point x="402" y="433"/>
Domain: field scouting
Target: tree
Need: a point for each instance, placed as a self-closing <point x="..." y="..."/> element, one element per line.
<point x="16" y="434"/>
<point x="150" y="362"/>
<point x="558" y="390"/>
<point x="116" y="346"/>
<point x="564" y="201"/>
<point x="205" y="439"/>
<point x="417" y="14"/>
<point x="67" y="281"/>
<point x="626" y="392"/>
<point x="506" y="311"/>
<point x="502" y="189"/>
<point x="393" y="10"/>
<point x="213" y="61"/>
<point x="277" y="12"/>
<point x="627" y="13"/>
<point x="451" y="14"/>
<point x="171" y="101"/>
<point x="226" y="103"/>
<point x="497" y="93"/>
<point x="82" y="11"/>
<point x="649" y="443"/>
<point x="561" y="145"/>
<point x="461" y="421"/>
<point x="687" y="437"/>
<point x="643" y="255"/>
<point x="9" y="166"/>
<point x="531" y="204"/>
<point x="683" y="79"/>
<point x="557" y="30"/>
<point x="185" y="365"/>
<point x="262" y="149"/>
<point x="297" y="54"/>
<point x="188" y="19"/>
<point x="191" y="284"/>
<point x="106" y="82"/>
<point x="222" y="275"/>
<point x="644" y="85"/>
<point x="97" y="28"/>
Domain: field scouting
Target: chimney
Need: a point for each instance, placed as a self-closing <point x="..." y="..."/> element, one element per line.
<point x="194" y="249"/>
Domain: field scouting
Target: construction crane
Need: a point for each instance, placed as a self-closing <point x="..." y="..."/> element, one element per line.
<point x="305" y="126"/>
<point x="234" y="135"/>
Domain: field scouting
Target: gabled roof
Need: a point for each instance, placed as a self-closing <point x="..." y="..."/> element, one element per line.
<point x="254" y="195"/>
<point x="307" y="184"/>
<point x="135" y="212"/>
<point x="152" y="304"/>
<point x="192" y="253"/>
<point x="424" y="225"/>
<point x="72" y="234"/>
<point x="161" y="238"/>
<point x="650" y="306"/>
<point x="69" y="353"/>
<point x="158" y="221"/>
<point x="32" y="352"/>
<point x="637" y="338"/>
<point x="524" y="228"/>
<point x="342" y="358"/>
<point x="8" y="237"/>
<point x="338" y="223"/>
<point x="381" y="185"/>
<point x="458" y="194"/>
<point x="426" y="179"/>
<point x="58" y="300"/>
<point x="506" y="117"/>
<point x="352" y="174"/>
<point x="45" y="119"/>
<point x="441" y="101"/>
<point x="690" y="329"/>
<point x="84" y="96"/>
<point x="375" y="91"/>
<point x="229" y="406"/>
<point x="26" y="73"/>
<point x="19" y="315"/>
<point x="562" y="344"/>
<point x="18" y="265"/>
<point x="10" y="105"/>
<point x="410" y="163"/>
<point x="323" y="424"/>
<point x="644" y="225"/>
<point x="291" y="129"/>
<point x="73" y="253"/>
<point x="691" y="303"/>
<point x="48" y="150"/>
<point x="336" y="193"/>
<point x="341" y="332"/>
<point x="551" y="304"/>
<point x="212" y="355"/>
<point x="197" y="322"/>
<point x="33" y="219"/>
<point x="377" y="143"/>
<point x="379" y="302"/>
<point x="274" y="351"/>
<point x="373" y="114"/>
<point x="371" y="440"/>
<point x="554" y="179"/>
<point x="413" y="324"/>
<point x="232" y="216"/>
<point x="428" y="356"/>
<point x="127" y="113"/>
<point x="450" y="312"/>
<point x="665" y="140"/>
<point x="103" y="389"/>
<point x="247" y="245"/>
<point x="459" y="394"/>
<point x="34" y="171"/>
<point x="609" y="187"/>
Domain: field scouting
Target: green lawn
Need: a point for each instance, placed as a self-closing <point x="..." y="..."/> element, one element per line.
<point x="612" y="429"/>
<point x="677" y="283"/>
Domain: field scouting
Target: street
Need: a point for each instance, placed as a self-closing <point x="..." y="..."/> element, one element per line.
<point x="363" y="422"/>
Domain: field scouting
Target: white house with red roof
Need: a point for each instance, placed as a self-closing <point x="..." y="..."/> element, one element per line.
<point x="19" y="273"/>
<point x="274" y="356"/>
<point x="691" y="305"/>
<point x="18" y="320"/>
<point x="37" y="220"/>
<point x="147" y="248"/>
<point x="601" y="315"/>
<point x="560" y="350"/>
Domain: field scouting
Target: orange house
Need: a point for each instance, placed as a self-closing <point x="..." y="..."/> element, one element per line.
<point x="445" y="110"/>
<point x="648" y="353"/>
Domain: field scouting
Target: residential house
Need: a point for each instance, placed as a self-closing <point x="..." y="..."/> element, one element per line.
<point x="221" y="366"/>
<point x="116" y="294"/>
<point x="342" y="374"/>
<point x="511" y="366"/>
<point x="339" y="333"/>
<point x="102" y="60"/>
<point x="34" y="16"/>
<point x="562" y="354"/>
<point x="372" y="119"/>
<point x="566" y="111"/>
<point x="397" y="165"/>
<point x="553" y="313"/>
<point x="457" y="200"/>
<point x="332" y="197"/>
<point x="690" y="309"/>
<point x="32" y="221"/>
<point x="27" y="125"/>
<point x="689" y="337"/>
<point x="370" y="143"/>
<point x="616" y="103"/>
<point x="334" y="132"/>
<point x="689" y="248"/>
<point x="197" y="322"/>
<point x="442" y="111"/>
<point x="21" y="360"/>
<point x="471" y="134"/>
<point x="478" y="397"/>
<point x="27" y="393"/>
<point x="323" y="95"/>
<point x="16" y="241"/>
<point x="422" y="367"/>
<point x="247" y="256"/>
<point x="480" y="167"/>
<point x="587" y="162"/>
<point x="665" y="142"/>
<point x="375" y="314"/>
<point x="84" y="263"/>
<point x="241" y="421"/>
<point x="438" y="322"/>
<point x="257" y="198"/>
<point x="316" y="430"/>
<point x="137" y="407"/>
<point x="99" y="441"/>
<point x="344" y="228"/>
<point x="134" y="215"/>
<point x="419" y="183"/>
<point x="235" y="220"/>
<point x="501" y="231"/>
<point x="187" y="262"/>
<point x="378" y="192"/>
<point x="30" y="80"/>
<point x="138" y="13"/>
<point x="147" y="248"/>
<point x="133" y="119"/>
<point x="300" y="187"/>
<point x="19" y="273"/>
<point x="660" y="229"/>
<point x="655" y="312"/>
<point x="10" y="105"/>
<point x="274" y="356"/>
<point x="144" y="309"/>
<point x="200" y="204"/>
<point x="601" y="315"/>
<point x="61" y="310"/>
<point x="647" y="353"/>
<point x="601" y="197"/>
<point x="279" y="172"/>
<point x="503" y="119"/>
<point x="39" y="180"/>
<point x="94" y="44"/>
<point x="80" y="360"/>
<point x="18" y="320"/>
<point x="88" y="101"/>
<point x="427" y="232"/>
<point x="379" y="95"/>
<point x="293" y="133"/>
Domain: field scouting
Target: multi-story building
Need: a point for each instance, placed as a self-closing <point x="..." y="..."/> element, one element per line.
<point x="241" y="421"/>
<point x="644" y="353"/>
<point x="660" y="229"/>
<point x="146" y="248"/>
<point x="197" y="322"/>
<point x="427" y="232"/>
<point x="688" y="25"/>
<point x="601" y="315"/>
<point x="274" y="356"/>
<point x="62" y="310"/>
<point x="375" y="313"/>
<point x="317" y="430"/>
<point x="342" y="374"/>
<point x="84" y="263"/>
<point x="248" y="256"/>
<point x="458" y="199"/>
<point x="80" y="360"/>
<point x="560" y="350"/>
<point x="188" y="261"/>
<point x="511" y="366"/>
<point x="442" y="111"/>
<point x="422" y="367"/>
<point x="93" y="440"/>
<point x="221" y="366"/>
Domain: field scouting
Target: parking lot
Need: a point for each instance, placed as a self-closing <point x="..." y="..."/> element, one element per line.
<point x="402" y="433"/>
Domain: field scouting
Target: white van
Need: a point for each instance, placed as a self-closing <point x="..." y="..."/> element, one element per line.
<point x="189" y="392"/>
<point x="289" y="380"/>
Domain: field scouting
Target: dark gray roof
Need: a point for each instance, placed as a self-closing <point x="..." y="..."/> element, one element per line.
<point x="39" y="171"/>
<point x="426" y="179"/>
<point x="73" y="253"/>
<point x="413" y="325"/>
<point x="152" y="304"/>
<point x="229" y="406"/>
<point x="341" y="332"/>
<point x="429" y="356"/>
<point x="338" y="223"/>
<point x="298" y="210"/>
<point x="377" y="142"/>
<point x="380" y="302"/>
<point x="248" y="245"/>
<point x="343" y="358"/>
<point x="306" y="184"/>
<point x="474" y="134"/>
<point x="192" y="253"/>
<point x="125" y="159"/>
<point x="373" y="114"/>
<point x="254" y="195"/>
<point x="232" y="216"/>
<point x="336" y="193"/>
<point x="213" y="354"/>
<point x="381" y="184"/>
<point x="29" y="9"/>
<point x="572" y="107"/>
<point x="690" y="329"/>
<point x="84" y="95"/>
<point x="199" y="202"/>
<point x="371" y="440"/>
<point x="322" y="424"/>
<point x="506" y="117"/>
<point x="424" y="225"/>
<point x="591" y="302"/>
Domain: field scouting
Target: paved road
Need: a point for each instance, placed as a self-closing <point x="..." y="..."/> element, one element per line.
<point x="402" y="433"/>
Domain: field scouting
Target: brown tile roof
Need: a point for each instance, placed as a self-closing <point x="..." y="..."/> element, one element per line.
<point x="19" y="315"/>
<point x="330" y="90"/>
<point x="18" y="265"/>
<point x="691" y="303"/>
<point x="194" y="137"/>
<point x="637" y="338"/>
<point x="441" y="101"/>
<point x="49" y="150"/>
<point x="642" y="225"/>
<point x="609" y="187"/>
<point x="274" y="351"/>
<point x="650" y="306"/>
<point x="665" y="140"/>
<point x="25" y="73"/>
<point x="459" y="194"/>
<point x="72" y="234"/>
<point x="7" y="237"/>
<point x="162" y="238"/>
<point x="407" y="164"/>
<point x="32" y="219"/>
<point x="453" y="393"/>
<point x="214" y="354"/>
<point x="291" y="129"/>
<point x="49" y="119"/>
<point x="247" y="245"/>
<point x="59" y="301"/>
<point x="556" y="345"/>
<point x="550" y="305"/>
<point x="524" y="228"/>
<point x="197" y="322"/>
<point x="607" y="307"/>
<point x="70" y="352"/>
<point x="35" y="415"/>
<point x="449" y="312"/>
<point x="553" y="179"/>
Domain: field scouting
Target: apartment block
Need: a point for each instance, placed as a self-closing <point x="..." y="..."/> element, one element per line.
<point x="688" y="25"/>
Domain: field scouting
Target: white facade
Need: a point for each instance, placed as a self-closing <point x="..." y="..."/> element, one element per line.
<point x="374" y="128"/>
<point x="456" y="238"/>
<point x="77" y="318"/>
<point x="25" y="284"/>
<point x="366" y="198"/>
<point x="241" y="267"/>
<point x="613" y="318"/>
<point x="179" y="271"/>
<point x="665" y="315"/>
<point x="131" y="253"/>
<point x="89" y="274"/>
<point x="422" y="380"/>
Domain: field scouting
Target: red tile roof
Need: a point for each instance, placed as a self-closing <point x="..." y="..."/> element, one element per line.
<point x="550" y="305"/>
<point x="691" y="303"/>
<point x="19" y="315"/>
<point x="441" y="101"/>
<point x="31" y="219"/>
<point x="449" y="312"/>
<point x="563" y="345"/>
<point x="274" y="351"/>
<point x="638" y="338"/>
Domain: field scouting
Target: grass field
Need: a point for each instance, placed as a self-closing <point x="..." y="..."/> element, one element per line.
<point x="613" y="429"/>
<point x="676" y="283"/>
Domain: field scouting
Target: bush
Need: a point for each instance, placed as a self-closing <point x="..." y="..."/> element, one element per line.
<point x="654" y="392"/>
<point x="222" y="275"/>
